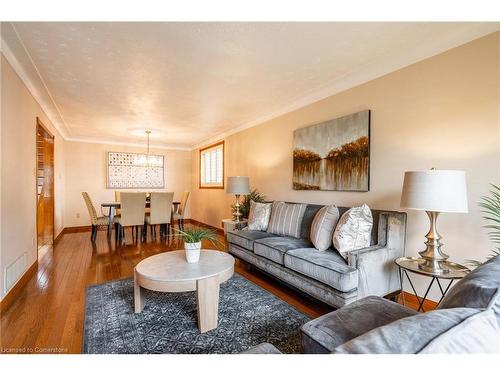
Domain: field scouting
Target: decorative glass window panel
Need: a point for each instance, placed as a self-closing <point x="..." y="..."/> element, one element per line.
<point x="212" y="166"/>
<point x="135" y="171"/>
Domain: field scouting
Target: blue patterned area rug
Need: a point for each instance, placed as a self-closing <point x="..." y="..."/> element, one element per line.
<point x="248" y="316"/>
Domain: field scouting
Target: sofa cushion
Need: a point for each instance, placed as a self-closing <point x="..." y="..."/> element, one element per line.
<point x="324" y="334"/>
<point x="479" y="289"/>
<point x="325" y="266"/>
<point x="286" y="219"/>
<point x="474" y="331"/>
<point x="323" y="226"/>
<point x="246" y="238"/>
<point x="274" y="248"/>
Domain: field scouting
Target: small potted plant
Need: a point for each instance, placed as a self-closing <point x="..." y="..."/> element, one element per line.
<point x="192" y="241"/>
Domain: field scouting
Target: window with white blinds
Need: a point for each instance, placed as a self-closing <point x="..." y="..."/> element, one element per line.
<point x="212" y="166"/>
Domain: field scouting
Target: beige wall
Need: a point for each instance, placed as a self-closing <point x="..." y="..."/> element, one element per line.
<point x="86" y="171"/>
<point x="19" y="111"/>
<point x="442" y="112"/>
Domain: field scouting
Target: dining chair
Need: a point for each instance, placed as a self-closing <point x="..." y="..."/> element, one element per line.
<point x="179" y="214"/>
<point x="117" y="199"/>
<point x="132" y="214"/>
<point x="161" y="212"/>
<point x="95" y="221"/>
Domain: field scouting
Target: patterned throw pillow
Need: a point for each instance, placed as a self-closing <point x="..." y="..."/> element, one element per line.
<point x="353" y="230"/>
<point x="258" y="218"/>
<point x="286" y="219"/>
<point x="322" y="227"/>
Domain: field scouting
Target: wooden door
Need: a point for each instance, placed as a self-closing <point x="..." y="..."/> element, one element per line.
<point x="44" y="185"/>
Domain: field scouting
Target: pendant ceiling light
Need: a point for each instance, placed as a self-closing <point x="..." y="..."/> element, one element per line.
<point x="147" y="160"/>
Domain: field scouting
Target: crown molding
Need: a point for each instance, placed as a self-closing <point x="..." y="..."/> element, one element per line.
<point x="129" y="144"/>
<point x="34" y="91"/>
<point x="371" y="71"/>
<point x="16" y="65"/>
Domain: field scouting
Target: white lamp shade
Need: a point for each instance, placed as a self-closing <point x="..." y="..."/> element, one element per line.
<point x="435" y="190"/>
<point x="238" y="185"/>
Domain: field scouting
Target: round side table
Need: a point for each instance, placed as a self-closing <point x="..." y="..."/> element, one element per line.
<point x="411" y="264"/>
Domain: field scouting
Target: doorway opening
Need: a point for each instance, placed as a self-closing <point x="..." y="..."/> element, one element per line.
<point x="44" y="189"/>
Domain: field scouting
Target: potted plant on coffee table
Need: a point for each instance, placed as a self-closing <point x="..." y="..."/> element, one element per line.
<point x="192" y="241"/>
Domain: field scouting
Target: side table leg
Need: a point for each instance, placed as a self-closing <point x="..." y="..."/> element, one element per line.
<point x="443" y="292"/>
<point x="138" y="296"/>
<point x="421" y="306"/>
<point x="402" y="294"/>
<point x="207" y="295"/>
<point x="420" y="300"/>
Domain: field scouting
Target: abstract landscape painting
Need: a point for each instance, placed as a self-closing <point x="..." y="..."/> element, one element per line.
<point x="333" y="155"/>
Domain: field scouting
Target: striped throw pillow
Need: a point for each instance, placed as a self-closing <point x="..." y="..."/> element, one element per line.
<point x="286" y="219"/>
<point x="323" y="226"/>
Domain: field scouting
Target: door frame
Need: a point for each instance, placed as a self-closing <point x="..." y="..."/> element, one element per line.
<point x="40" y="124"/>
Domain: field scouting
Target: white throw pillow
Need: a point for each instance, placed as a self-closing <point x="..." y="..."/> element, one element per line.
<point x="353" y="230"/>
<point x="322" y="227"/>
<point x="258" y="217"/>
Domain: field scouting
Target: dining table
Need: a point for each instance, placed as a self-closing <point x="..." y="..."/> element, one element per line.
<point x="116" y="205"/>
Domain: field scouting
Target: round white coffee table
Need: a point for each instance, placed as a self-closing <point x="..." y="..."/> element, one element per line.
<point x="170" y="272"/>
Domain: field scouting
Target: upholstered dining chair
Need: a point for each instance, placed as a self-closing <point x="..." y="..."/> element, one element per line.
<point x="132" y="214"/>
<point x="117" y="199"/>
<point x="179" y="214"/>
<point x="95" y="221"/>
<point x="161" y="212"/>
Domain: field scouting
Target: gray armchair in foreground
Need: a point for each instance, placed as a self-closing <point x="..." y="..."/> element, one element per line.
<point x="466" y="321"/>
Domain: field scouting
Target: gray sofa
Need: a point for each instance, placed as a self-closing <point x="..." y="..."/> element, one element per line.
<point x="466" y="321"/>
<point x="325" y="275"/>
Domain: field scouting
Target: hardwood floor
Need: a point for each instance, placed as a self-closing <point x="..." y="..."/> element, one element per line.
<point x="47" y="315"/>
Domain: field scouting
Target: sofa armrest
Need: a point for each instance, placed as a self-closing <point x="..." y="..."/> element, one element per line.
<point x="378" y="274"/>
<point x="324" y="334"/>
<point x="355" y="254"/>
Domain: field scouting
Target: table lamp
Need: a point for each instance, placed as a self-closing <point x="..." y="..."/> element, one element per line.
<point x="434" y="191"/>
<point x="238" y="185"/>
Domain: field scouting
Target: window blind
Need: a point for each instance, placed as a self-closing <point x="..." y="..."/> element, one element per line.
<point x="212" y="166"/>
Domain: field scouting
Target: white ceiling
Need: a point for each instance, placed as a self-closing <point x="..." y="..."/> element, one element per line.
<point x="194" y="82"/>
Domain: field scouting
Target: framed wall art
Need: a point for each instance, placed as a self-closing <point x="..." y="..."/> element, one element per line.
<point x="333" y="155"/>
<point x="127" y="170"/>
